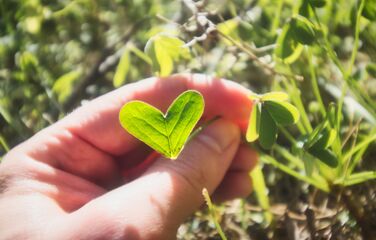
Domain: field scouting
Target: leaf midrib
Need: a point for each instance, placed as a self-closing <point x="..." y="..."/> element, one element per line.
<point x="151" y="139"/>
<point x="179" y="117"/>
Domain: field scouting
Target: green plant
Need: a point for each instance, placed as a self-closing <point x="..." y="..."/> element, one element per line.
<point x="270" y="110"/>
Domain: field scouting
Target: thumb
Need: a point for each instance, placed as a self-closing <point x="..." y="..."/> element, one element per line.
<point x="154" y="205"/>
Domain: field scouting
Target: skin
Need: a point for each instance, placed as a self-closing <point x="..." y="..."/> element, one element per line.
<point x="84" y="177"/>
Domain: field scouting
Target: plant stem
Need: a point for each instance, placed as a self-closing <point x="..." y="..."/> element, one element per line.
<point x="255" y="58"/>
<point x="287" y="135"/>
<point x="323" y="185"/>
<point x="297" y="100"/>
<point x="315" y="86"/>
<point x="356" y="39"/>
<point x="202" y="127"/>
<point x="212" y="212"/>
<point x="277" y="17"/>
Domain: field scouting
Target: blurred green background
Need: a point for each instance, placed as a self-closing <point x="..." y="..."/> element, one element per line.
<point x="56" y="54"/>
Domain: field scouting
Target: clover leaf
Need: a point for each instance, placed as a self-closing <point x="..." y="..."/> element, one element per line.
<point x="165" y="133"/>
<point x="269" y="111"/>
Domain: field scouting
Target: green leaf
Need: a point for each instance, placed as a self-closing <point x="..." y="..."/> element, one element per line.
<point x="63" y="86"/>
<point x="254" y="123"/>
<point x="305" y="8"/>
<point x="122" y="69"/>
<point x="287" y="48"/>
<point x="317" y="3"/>
<point x="315" y="134"/>
<point x="163" y="51"/>
<point x="268" y="129"/>
<point x="283" y="113"/>
<point x="369" y="10"/>
<point x="275" y="96"/>
<point x="325" y="139"/>
<point x="302" y="30"/>
<point x="309" y="164"/>
<point x="5" y="113"/>
<point x="27" y="61"/>
<point x="325" y="156"/>
<point x="229" y="28"/>
<point x="371" y="69"/>
<point x="165" y="133"/>
<point x="332" y="115"/>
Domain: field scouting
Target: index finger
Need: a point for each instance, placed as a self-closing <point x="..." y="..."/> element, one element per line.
<point x="97" y="121"/>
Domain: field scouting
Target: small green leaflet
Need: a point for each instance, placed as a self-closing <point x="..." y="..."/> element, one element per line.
<point x="254" y="123"/>
<point x="318" y="142"/>
<point x="283" y="113"/>
<point x="369" y="10"/>
<point x="268" y="129"/>
<point x="326" y="156"/>
<point x="64" y="85"/>
<point x="303" y="31"/>
<point x="163" y="51"/>
<point x="287" y="49"/>
<point x="317" y="3"/>
<point x="276" y="96"/>
<point x="165" y="133"/>
<point x="269" y="111"/>
<point x="371" y="69"/>
<point x="122" y="68"/>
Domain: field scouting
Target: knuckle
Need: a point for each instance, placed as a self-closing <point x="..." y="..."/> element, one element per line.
<point x="190" y="174"/>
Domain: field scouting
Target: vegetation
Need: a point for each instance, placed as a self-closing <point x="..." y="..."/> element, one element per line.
<point x="315" y="179"/>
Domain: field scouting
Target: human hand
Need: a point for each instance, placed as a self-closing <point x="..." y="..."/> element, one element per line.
<point x="84" y="177"/>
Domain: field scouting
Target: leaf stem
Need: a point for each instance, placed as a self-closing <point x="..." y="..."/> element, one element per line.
<point x="202" y="127"/>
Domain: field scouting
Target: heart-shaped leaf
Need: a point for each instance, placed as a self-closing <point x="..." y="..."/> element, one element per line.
<point x="254" y="123"/>
<point x="283" y="113"/>
<point x="165" y="133"/>
<point x="268" y="130"/>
